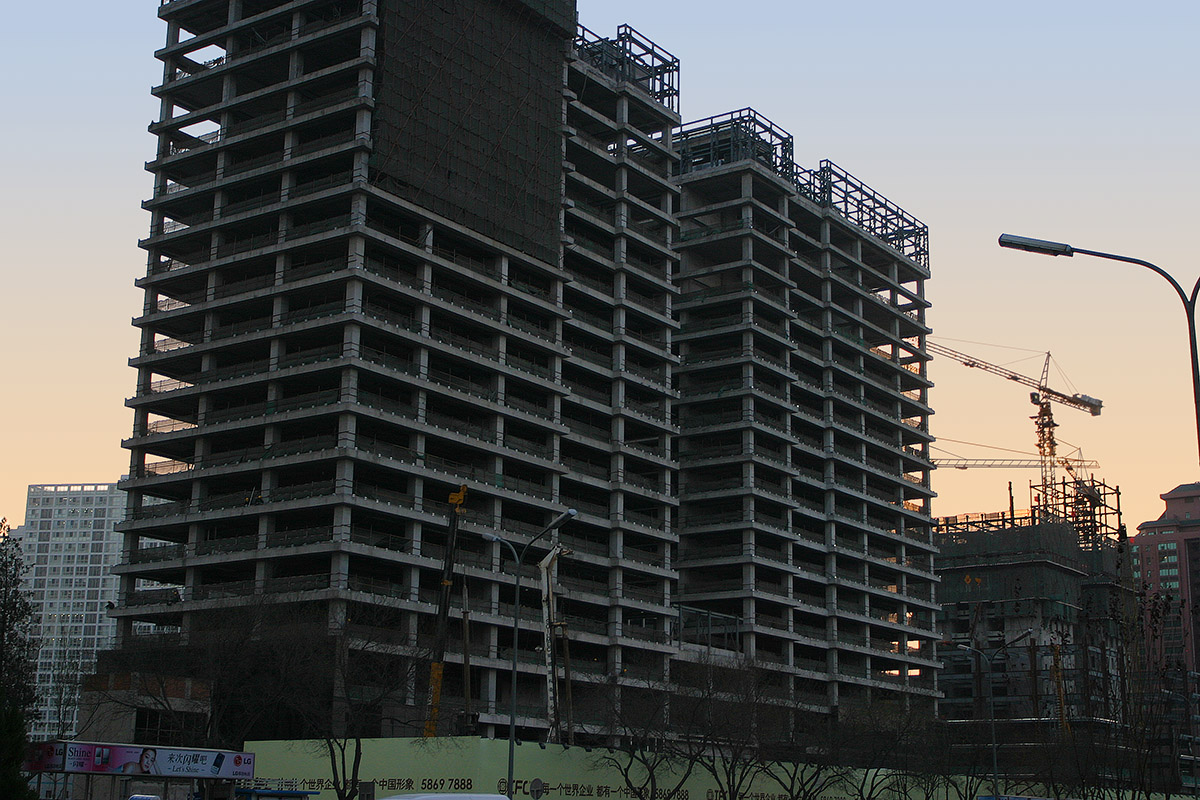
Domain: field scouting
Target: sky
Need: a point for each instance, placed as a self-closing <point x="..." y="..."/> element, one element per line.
<point x="1071" y="121"/>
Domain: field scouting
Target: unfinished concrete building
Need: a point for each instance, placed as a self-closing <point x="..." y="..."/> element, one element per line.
<point x="396" y="251"/>
<point x="803" y="412"/>
<point x="1047" y="596"/>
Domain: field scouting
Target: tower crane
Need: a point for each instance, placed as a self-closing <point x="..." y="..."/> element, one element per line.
<point x="1042" y="396"/>
<point x="1011" y="463"/>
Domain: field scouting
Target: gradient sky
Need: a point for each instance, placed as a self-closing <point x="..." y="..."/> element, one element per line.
<point x="1074" y="121"/>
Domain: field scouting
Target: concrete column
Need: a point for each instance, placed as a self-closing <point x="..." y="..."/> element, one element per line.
<point x="622" y="110"/>
<point x="349" y="385"/>
<point x="356" y="255"/>
<point x="344" y="475"/>
<point x="343" y="523"/>
<point x="339" y="573"/>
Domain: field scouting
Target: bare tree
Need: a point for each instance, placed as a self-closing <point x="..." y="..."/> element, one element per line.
<point x="371" y="670"/>
<point x="807" y="766"/>
<point x="802" y="779"/>
<point x="962" y="758"/>
<point x="62" y="699"/>
<point x="736" y="712"/>
<point x="234" y="678"/>
<point x="333" y="675"/>
<point x="923" y="763"/>
<point x="881" y="737"/>
<point x="17" y="650"/>
<point x="642" y="750"/>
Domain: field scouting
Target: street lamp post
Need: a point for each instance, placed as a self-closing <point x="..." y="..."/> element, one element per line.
<point x="1189" y="300"/>
<point x="992" y="700"/>
<point x="518" y="560"/>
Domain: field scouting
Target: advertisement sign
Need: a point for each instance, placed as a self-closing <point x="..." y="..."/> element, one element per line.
<point x="45" y="757"/>
<point x="96" y="758"/>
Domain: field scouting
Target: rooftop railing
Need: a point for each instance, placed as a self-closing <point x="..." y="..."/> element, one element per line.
<point x="632" y="58"/>
<point x="736" y="136"/>
<point x="832" y="187"/>
<point x="746" y="135"/>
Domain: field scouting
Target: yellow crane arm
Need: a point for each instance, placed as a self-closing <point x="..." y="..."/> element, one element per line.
<point x="1080" y="401"/>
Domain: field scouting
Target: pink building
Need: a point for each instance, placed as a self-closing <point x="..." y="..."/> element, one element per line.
<point x="1166" y="558"/>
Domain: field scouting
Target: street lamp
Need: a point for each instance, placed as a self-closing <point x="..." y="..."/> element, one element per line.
<point x="992" y="700"/>
<point x="518" y="560"/>
<point x="1189" y="301"/>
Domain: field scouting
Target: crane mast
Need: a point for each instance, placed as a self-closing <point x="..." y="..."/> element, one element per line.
<point x="1044" y="420"/>
<point x="441" y="632"/>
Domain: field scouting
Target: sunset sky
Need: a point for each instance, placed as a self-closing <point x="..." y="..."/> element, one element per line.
<point x="1073" y="121"/>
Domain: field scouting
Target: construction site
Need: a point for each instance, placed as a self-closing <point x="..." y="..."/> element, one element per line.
<point x="431" y="293"/>
<point x="1044" y="621"/>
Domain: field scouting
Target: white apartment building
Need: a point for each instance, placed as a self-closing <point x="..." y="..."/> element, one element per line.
<point x="70" y="547"/>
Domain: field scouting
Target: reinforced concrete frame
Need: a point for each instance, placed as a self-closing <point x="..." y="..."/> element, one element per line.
<point x="708" y="359"/>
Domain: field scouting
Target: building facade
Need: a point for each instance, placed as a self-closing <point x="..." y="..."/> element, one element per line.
<point x="1166" y="558"/>
<point x="398" y="250"/>
<point x="1033" y="585"/>
<point x="1043" y="608"/>
<point x="69" y="546"/>
<point x="804" y="491"/>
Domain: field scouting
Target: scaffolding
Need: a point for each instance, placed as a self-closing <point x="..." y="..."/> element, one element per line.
<point x="1060" y="570"/>
<point x="632" y="58"/>
<point x="1090" y="506"/>
<point x="869" y="210"/>
<point x="736" y="136"/>
<point x="467" y="117"/>
<point x="747" y="135"/>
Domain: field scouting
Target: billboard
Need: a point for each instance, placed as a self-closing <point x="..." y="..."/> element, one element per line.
<point x="98" y="758"/>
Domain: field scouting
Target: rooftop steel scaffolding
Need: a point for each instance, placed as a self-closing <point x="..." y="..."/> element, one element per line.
<point x="745" y="133"/>
<point x="833" y="187"/>
<point x="631" y="57"/>
<point x="737" y="135"/>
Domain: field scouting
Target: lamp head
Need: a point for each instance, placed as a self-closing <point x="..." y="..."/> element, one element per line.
<point x="561" y="519"/>
<point x="1042" y="246"/>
